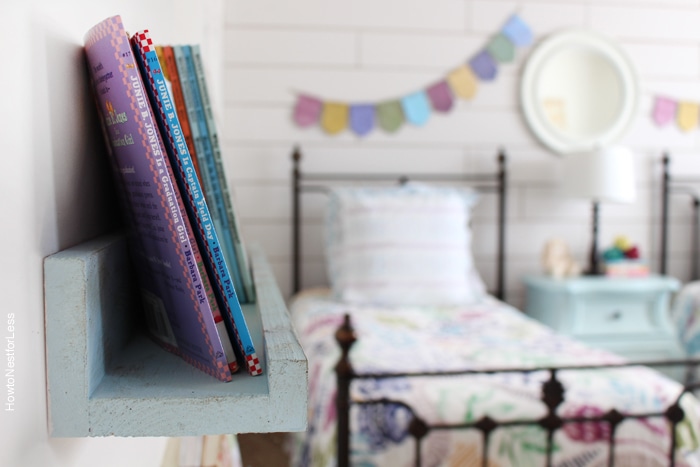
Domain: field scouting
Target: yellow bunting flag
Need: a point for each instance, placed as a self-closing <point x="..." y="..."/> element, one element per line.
<point x="334" y="118"/>
<point x="687" y="115"/>
<point x="463" y="82"/>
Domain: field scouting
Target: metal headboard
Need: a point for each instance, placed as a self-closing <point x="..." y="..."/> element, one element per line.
<point x="318" y="182"/>
<point x="682" y="185"/>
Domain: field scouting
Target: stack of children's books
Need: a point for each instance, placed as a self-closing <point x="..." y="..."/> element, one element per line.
<point x="163" y="145"/>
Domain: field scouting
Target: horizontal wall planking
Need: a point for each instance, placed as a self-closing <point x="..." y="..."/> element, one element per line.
<point x="252" y="163"/>
<point x="497" y="128"/>
<point x="645" y="133"/>
<point x="680" y="266"/>
<point x="387" y="49"/>
<point x="685" y="163"/>
<point x="264" y="162"/>
<point x="543" y="17"/>
<point x="646" y="23"/>
<point x="259" y="85"/>
<point x="277" y="46"/>
<point x="418" y="15"/>
<point x="679" y="234"/>
<point x="680" y="4"/>
<point x="549" y="203"/>
<point x="664" y="60"/>
<point x="681" y="88"/>
<point x="274" y="202"/>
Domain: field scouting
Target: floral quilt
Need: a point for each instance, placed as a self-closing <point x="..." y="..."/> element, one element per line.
<point x="486" y="335"/>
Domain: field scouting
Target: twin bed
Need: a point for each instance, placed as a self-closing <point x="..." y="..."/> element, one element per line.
<point x="413" y="362"/>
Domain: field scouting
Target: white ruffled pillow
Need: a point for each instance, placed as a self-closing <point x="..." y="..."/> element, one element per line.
<point x="403" y="245"/>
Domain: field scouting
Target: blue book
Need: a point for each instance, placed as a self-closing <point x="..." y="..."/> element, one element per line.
<point x="238" y="244"/>
<point x="197" y="209"/>
<point x="205" y="155"/>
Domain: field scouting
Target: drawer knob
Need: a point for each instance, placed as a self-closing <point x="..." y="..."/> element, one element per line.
<point x="615" y="315"/>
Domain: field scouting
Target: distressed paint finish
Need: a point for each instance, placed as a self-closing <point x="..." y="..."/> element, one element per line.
<point x="106" y="378"/>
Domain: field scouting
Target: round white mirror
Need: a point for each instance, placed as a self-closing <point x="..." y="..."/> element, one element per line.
<point x="578" y="92"/>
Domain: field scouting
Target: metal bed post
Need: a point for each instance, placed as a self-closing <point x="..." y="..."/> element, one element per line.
<point x="345" y="336"/>
<point x="296" y="222"/>
<point x="500" y="280"/>
<point x="694" y="234"/>
<point x="664" y="213"/>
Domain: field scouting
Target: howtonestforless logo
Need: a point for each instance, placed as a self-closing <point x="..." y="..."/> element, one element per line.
<point x="10" y="365"/>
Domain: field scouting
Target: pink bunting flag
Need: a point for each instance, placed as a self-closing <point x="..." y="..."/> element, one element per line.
<point x="664" y="110"/>
<point x="440" y="96"/>
<point x="307" y="110"/>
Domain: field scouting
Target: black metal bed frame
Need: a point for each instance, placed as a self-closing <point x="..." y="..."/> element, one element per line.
<point x="553" y="391"/>
<point x="678" y="185"/>
<point x="553" y="394"/>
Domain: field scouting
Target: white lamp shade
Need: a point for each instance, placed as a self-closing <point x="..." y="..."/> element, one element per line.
<point x="607" y="175"/>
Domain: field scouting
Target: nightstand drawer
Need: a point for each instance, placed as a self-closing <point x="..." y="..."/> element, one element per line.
<point x="602" y="316"/>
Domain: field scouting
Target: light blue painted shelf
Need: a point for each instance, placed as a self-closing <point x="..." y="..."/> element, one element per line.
<point x="106" y="378"/>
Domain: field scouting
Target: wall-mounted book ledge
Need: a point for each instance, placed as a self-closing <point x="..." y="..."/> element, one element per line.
<point x="106" y="377"/>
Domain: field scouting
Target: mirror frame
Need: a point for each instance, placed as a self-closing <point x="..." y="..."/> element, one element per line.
<point x="558" y="141"/>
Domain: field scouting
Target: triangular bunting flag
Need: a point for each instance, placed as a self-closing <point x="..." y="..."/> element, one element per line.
<point x="463" y="82"/>
<point x="687" y="115"/>
<point x="501" y="48"/>
<point x="390" y="116"/>
<point x="440" y="96"/>
<point x="362" y="118"/>
<point x="664" y="110"/>
<point x="484" y="66"/>
<point x="307" y="110"/>
<point x="416" y="108"/>
<point x="517" y="31"/>
<point x="334" y="118"/>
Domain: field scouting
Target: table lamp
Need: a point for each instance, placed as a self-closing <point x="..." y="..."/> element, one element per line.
<point x="605" y="175"/>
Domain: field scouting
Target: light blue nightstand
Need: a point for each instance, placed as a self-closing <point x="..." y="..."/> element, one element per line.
<point x="629" y="316"/>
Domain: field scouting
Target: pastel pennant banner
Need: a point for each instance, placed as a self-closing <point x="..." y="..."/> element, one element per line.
<point x="416" y="107"/>
<point x="686" y="115"/>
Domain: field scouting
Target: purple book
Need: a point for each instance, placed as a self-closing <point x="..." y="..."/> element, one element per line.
<point x="165" y="253"/>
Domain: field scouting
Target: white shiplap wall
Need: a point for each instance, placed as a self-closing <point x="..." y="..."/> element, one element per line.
<point x="370" y="50"/>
